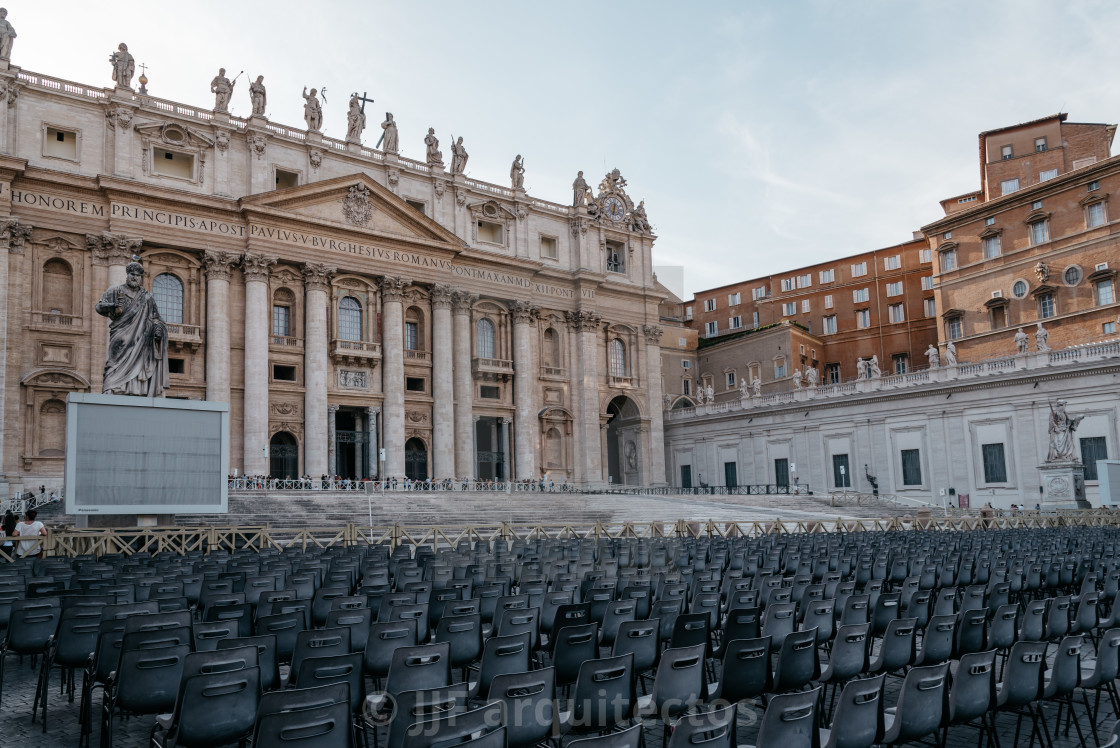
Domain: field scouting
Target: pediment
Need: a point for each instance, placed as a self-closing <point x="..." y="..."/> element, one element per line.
<point x="356" y="202"/>
<point x="174" y="134"/>
<point x="491" y="210"/>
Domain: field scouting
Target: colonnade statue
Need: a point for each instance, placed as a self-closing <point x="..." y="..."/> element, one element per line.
<point x="136" y="362"/>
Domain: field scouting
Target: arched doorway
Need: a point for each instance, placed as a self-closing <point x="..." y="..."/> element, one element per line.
<point x="624" y="442"/>
<point x="283" y="456"/>
<point x="415" y="459"/>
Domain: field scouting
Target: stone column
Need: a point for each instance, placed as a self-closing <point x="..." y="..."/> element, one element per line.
<point x="586" y="324"/>
<point x="316" y="287"/>
<point x="443" y="408"/>
<point x="392" y="366"/>
<point x="524" y="387"/>
<point x="655" y="460"/>
<point x="473" y="441"/>
<point x="465" y="451"/>
<point x="371" y="436"/>
<point x="604" y="447"/>
<point x="217" y="265"/>
<point x="13" y="237"/>
<point x="256" y="269"/>
<point x="332" y="425"/>
<point x="114" y="252"/>
<point x="507" y="473"/>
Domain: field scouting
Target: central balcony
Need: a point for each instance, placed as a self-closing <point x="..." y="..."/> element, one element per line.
<point x="492" y="369"/>
<point x="355" y="352"/>
<point x="184" y="337"/>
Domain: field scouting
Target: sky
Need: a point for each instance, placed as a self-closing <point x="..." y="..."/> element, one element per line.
<point x="764" y="136"/>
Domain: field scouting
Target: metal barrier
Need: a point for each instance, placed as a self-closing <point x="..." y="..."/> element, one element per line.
<point x="182" y="540"/>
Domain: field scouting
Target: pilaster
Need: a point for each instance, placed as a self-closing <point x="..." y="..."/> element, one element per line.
<point x="656" y="458"/>
<point x="465" y="464"/>
<point x="392" y="366"/>
<point x="443" y="408"/>
<point x="524" y="315"/>
<point x="13" y="237"/>
<point x="256" y="268"/>
<point x="217" y="266"/>
<point x="316" y="285"/>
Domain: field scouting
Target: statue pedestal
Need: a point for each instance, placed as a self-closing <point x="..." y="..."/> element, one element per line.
<point x="258" y="121"/>
<point x="1063" y="485"/>
<point x="353" y="147"/>
<point x="220" y="118"/>
<point x="315" y="137"/>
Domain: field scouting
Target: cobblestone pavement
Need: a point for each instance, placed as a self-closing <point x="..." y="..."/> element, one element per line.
<point x="17" y="730"/>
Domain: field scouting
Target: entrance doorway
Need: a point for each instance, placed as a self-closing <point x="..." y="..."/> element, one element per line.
<point x="624" y="465"/>
<point x="351" y="446"/>
<point x="730" y="475"/>
<point x="415" y="459"/>
<point x="283" y="456"/>
<point x="490" y="456"/>
<point x="781" y="472"/>
<point x="841" y="471"/>
<point x="686" y="476"/>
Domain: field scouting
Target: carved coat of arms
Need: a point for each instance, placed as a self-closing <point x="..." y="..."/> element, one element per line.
<point x="356" y="207"/>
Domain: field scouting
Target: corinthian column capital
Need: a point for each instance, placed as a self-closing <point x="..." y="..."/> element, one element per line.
<point x="393" y="288"/>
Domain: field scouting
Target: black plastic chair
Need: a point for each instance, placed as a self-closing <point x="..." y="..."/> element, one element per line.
<point x="418" y="668"/>
<point x="790" y="721"/>
<point x="640" y="638"/>
<point x="410" y="707"/>
<point x="971" y="628"/>
<point x="604" y="696"/>
<point x="858" y="720"/>
<point x="214" y="709"/>
<point x="320" y="727"/>
<point x="920" y="708"/>
<point x="896" y="652"/>
<point x="382" y="641"/>
<point x="1021" y="685"/>
<point x="1060" y="682"/>
<point x="847" y="660"/>
<point x="972" y="694"/>
<point x="529" y="710"/>
<point x="937" y="640"/>
<point x="678" y="686"/>
<point x="746" y="672"/>
<point x="318" y="643"/>
<point x="1100" y="676"/>
<point x="32" y="626"/>
<point x="501" y="655"/>
<point x="69" y="650"/>
<point x="464" y="634"/>
<point x="708" y="729"/>
<point x="266" y="657"/>
<point x="797" y="664"/>
<point x="453" y="729"/>
<point x="571" y="647"/>
<point x="146" y="682"/>
<point x="778" y="622"/>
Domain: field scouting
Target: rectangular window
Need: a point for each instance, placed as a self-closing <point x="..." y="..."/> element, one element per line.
<point x="686" y="364"/>
<point x="827" y="276"/>
<point x="925" y="255"/>
<point x="1093" y="448"/>
<point x="733" y="299"/>
<point x="1104" y="292"/>
<point x="789" y="307"/>
<point x="172" y="163"/>
<point x="709" y="305"/>
<point x="804" y="281"/>
<point x="894" y="289"/>
<point x="1040" y="232"/>
<point x="858" y="269"/>
<point x="991" y="246"/>
<point x="896" y="313"/>
<point x="911" y="467"/>
<point x="754" y="320"/>
<point x="954" y="328"/>
<point x="411" y="336"/>
<point x="841" y="472"/>
<point x="787" y="284"/>
<point x="899" y="361"/>
<point x="418" y="206"/>
<point x="927" y="283"/>
<point x="1094" y="215"/>
<point x="1007" y="186"/>
<point x="686" y="386"/>
<point x="1047" y="174"/>
<point x="549" y="249"/>
<point x="287" y="179"/>
<point x="490" y="232"/>
<point x="735" y="322"/>
<point x="894" y="262"/>
<point x="61" y="144"/>
<point x="616" y="258"/>
<point x="688" y="313"/>
<point x="828" y="301"/>
<point x="829" y="325"/>
<point x="805" y="306"/>
<point x="929" y="306"/>
<point x="711" y="328"/>
<point x="948" y="260"/>
<point x="1005" y="152"/>
<point x="779" y="368"/>
<point x="863" y="318"/>
<point x="282" y="373"/>
<point x="281" y="321"/>
<point x="1109" y="328"/>
<point x="832" y="373"/>
<point x="730" y="377"/>
<point x="176" y="366"/>
<point x="416" y="384"/>
<point x="758" y="293"/>
<point x="995" y="467"/>
<point x="488" y="391"/>
<point x="859" y="294"/>
<point x="1039" y="145"/>
<point x="1046" y="305"/>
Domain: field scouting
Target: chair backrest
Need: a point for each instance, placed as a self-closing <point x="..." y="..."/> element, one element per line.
<point x="639" y="638"/>
<point x="938" y="639"/>
<point x="321" y="727"/>
<point x="790" y="720"/>
<point x="464" y="634"/>
<point x="920" y="705"/>
<point x="897" y="649"/>
<point x="1066" y="673"/>
<point x="218" y="708"/>
<point x="712" y="729"/>
<point x="207" y="634"/>
<point x="503" y="654"/>
<point x="971" y="627"/>
<point x="1033" y="625"/>
<point x="32" y="624"/>
<point x="858" y="720"/>
<point x="741" y="623"/>
<point x="411" y="707"/>
<point x="1057" y="617"/>
<point x="691" y="629"/>
<point x="453" y="729"/>
<point x="821" y="614"/>
<point x="604" y="694"/>
<point x="286" y="627"/>
<point x="148" y="679"/>
<point x="296" y="699"/>
<point x="419" y="668"/>
<point x="571" y="646"/>
<point x="342" y="668"/>
<point x="886" y="610"/>
<point x="1022" y="675"/>
<point x="746" y="670"/>
<point x="973" y="690"/>
<point x="1004" y="627"/>
<point x="679" y="683"/>
<point x="850" y="652"/>
<point x="267" y="658"/>
<point x="797" y="663"/>
<point x="1107" y="666"/>
<point x="529" y="710"/>
<point x="856" y="609"/>
<point x="383" y="639"/>
<point x="357" y="620"/>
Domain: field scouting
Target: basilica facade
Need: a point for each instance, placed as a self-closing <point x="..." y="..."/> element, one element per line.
<point x="363" y="314"/>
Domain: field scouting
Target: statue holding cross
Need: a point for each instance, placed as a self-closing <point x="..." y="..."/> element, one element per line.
<point x="356" y="117"/>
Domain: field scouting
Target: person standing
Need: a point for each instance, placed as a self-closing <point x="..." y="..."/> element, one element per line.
<point x="34" y="529"/>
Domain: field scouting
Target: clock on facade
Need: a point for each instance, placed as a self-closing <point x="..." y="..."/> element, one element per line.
<point x="614" y="208"/>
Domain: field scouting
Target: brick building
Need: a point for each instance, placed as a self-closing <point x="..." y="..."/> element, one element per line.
<point x="1036" y="244"/>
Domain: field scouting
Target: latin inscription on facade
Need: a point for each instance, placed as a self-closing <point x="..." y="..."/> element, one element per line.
<point x="54" y="202"/>
<point x="176" y="220"/>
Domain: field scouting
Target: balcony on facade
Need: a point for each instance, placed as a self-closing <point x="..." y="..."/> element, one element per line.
<point x="55" y="320"/>
<point x="285" y="343"/>
<point x="492" y="369"/>
<point x="184" y="337"/>
<point x="423" y="358"/>
<point x="553" y="372"/>
<point x="622" y="382"/>
<point x="355" y="352"/>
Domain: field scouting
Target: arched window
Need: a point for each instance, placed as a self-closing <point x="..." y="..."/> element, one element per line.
<point x="52" y="429"/>
<point x="168" y="292"/>
<point x="282" y="302"/>
<point x="553" y="448"/>
<point x="58" y="287"/>
<point x="349" y="319"/>
<point x="485" y="338"/>
<point x="617" y="356"/>
<point x="550" y="349"/>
